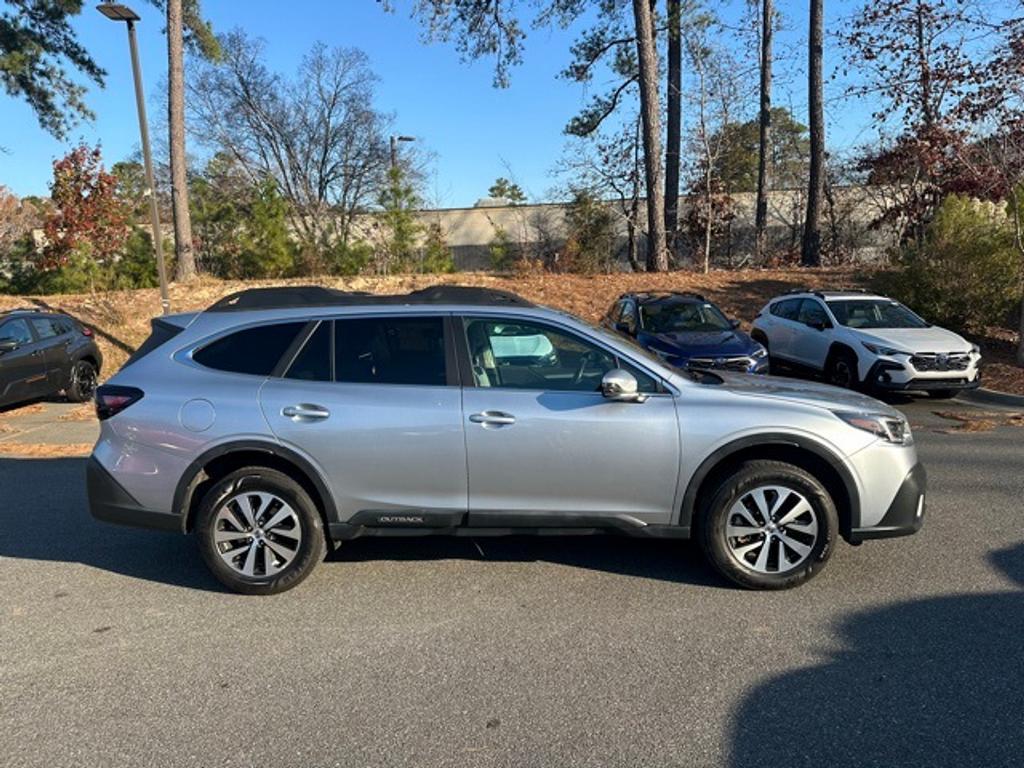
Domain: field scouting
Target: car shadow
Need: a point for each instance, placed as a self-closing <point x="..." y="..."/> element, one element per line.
<point x="44" y="516"/>
<point x="934" y="682"/>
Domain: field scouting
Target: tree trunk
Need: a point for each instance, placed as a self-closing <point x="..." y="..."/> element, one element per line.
<point x="810" y="255"/>
<point x="764" y="168"/>
<point x="183" y="250"/>
<point x="650" y="110"/>
<point x="673" y="130"/>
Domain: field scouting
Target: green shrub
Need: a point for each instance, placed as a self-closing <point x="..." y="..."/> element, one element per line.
<point x="347" y="259"/>
<point x="967" y="274"/>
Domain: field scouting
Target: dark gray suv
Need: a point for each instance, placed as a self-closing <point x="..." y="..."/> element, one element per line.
<point x="44" y="353"/>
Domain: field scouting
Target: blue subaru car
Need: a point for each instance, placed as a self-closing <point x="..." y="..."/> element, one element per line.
<point x="687" y="331"/>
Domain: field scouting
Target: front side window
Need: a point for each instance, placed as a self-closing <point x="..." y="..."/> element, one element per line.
<point x="390" y="350"/>
<point x="17" y="331"/>
<point x="682" y="317"/>
<point x="517" y="354"/>
<point x="874" y="313"/>
<point x="255" y="351"/>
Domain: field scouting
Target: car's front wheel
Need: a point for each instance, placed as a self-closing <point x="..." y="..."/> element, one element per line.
<point x="841" y="370"/>
<point x="770" y="525"/>
<point x="259" y="532"/>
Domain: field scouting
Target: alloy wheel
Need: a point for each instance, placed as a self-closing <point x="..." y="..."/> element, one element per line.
<point x="84" y="380"/>
<point x="257" y="534"/>
<point x="771" y="529"/>
<point x="842" y="375"/>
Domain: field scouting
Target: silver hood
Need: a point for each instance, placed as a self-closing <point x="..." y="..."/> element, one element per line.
<point x="809" y="392"/>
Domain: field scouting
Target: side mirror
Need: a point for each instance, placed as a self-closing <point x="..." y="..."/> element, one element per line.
<point x="7" y="345"/>
<point x="735" y="324"/>
<point x="621" y="385"/>
<point x="818" y="325"/>
<point x="623" y="328"/>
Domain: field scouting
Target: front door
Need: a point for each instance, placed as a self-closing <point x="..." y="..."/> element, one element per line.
<point x="22" y="369"/>
<point x="543" y="442"/>
<point x="373" y="401"/>
<point x="812" y="342"/>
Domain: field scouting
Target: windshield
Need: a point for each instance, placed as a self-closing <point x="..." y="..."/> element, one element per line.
<point x="874" y="313"/>
<point x="682" y="317"/>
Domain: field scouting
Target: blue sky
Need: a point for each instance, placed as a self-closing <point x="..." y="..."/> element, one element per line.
<point x="475" y="132"/>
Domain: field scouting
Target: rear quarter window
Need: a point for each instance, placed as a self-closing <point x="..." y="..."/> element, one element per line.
<point x="255" y="351"/>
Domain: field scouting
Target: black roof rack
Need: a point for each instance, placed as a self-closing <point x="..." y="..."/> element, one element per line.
<point x="292" y="297"/>
<point x="668" y="295"/>
<point x="811" y="291"/>
<point x="22" y="310"/>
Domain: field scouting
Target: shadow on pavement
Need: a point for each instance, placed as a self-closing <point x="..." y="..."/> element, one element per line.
<point x="44" y="516"/>
<point x="930" y="683"/>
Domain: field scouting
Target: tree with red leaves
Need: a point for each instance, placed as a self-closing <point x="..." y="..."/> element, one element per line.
<point x="89" y="219"/>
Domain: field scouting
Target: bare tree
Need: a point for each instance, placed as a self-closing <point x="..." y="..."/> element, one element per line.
<point x="810" y="255"/>
<point x="674" y="117"/>
<point x="650" y="113"/>
<point x="318" y="134"/>
<point x="764" y="167"/>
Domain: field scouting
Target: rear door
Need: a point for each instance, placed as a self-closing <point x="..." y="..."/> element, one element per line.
<point x="22" y="370"/>
<point x="54" y="340"/>
<point x="375" y="401"/>
<point x="545" y="446"/>
<point x="780" y="327"/>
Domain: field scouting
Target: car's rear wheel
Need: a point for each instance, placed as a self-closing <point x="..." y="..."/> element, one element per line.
<point x="770" y="525"/>
<point x="841" y="370"/>
<point x="83" y="382"/>
<point x="259" y="531"/>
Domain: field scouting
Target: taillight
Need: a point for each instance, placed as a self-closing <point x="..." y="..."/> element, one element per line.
<point x="112" y="399"/>
<point x="86" y="330"/>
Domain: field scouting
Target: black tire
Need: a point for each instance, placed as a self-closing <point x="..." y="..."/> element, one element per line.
<point x="942" y="394"/>
<point x="841" y="369"/>
<point x="311" y="548"/>
<point x="715" y="515"/>
<point x="82" y="385"/>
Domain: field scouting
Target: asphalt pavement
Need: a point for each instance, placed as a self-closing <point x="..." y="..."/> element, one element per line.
<point x="117" y="648"/>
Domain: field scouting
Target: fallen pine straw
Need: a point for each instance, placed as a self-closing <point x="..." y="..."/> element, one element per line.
<point x="45" y="450"/>
<point x="84" y="412"/>
<point x="979" y="421"/>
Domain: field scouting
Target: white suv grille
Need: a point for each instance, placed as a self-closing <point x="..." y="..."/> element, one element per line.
<point x="937" y="361"/>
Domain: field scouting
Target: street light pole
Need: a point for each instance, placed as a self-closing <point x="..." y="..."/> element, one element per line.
<point x="394" y="148"/>
<point x="118" y="12"/>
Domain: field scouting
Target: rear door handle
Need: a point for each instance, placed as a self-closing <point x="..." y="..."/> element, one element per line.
<point x="493" y="418"/>
<point x="305" y="412"/>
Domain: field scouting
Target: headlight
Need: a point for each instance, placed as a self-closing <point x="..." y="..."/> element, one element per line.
<point x="760" y="353"/>
<point x="878" y="349"/>
<point x="892" y="429"/>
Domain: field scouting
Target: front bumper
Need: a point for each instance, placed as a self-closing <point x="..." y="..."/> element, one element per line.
<point x="889" y="376"/>
<point x="111" y="503"/>
<point x="905" y="514"/>
<point x="736" y="364"/>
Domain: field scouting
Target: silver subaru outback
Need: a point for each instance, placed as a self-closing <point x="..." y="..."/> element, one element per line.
<point x="282" y="421"/>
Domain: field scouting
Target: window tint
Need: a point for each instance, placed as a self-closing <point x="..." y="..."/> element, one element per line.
<point x="787" y="309"/>
<point x="390" y="350"/>
<point x="47" y="327"/>
<point x="16" y="330"/>
<point x="313" y="363"/>
<point x="812" y="313"/>
<point x="252" y="350"/>
<point x="522" y="355"/>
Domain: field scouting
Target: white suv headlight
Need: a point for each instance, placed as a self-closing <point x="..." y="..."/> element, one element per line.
<point x="879" y="349"/>
<point x="892" y="429"/>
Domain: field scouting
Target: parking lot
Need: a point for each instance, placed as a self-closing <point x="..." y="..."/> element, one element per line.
<point x="118" y="648"/>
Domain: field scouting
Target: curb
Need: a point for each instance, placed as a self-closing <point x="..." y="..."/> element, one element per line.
<point x="991" y="397"/>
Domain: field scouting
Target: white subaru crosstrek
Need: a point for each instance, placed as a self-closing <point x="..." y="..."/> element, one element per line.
<point x="860" y="340"/>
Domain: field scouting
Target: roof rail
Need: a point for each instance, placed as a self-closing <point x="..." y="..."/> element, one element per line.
<point x="666" y="294"/>
<point x="811" y="291"/>
<point x="294" y="297"/>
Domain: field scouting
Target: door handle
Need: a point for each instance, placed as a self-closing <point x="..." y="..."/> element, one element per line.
<point x="493" y="419"/>
<point x="305" y="412"/>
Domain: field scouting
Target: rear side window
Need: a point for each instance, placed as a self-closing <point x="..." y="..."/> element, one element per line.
<point x="255" y="351"/>
<point x="390" y="350"/>
<point x="787" y="309"/>
<point x="46" y="328"/>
